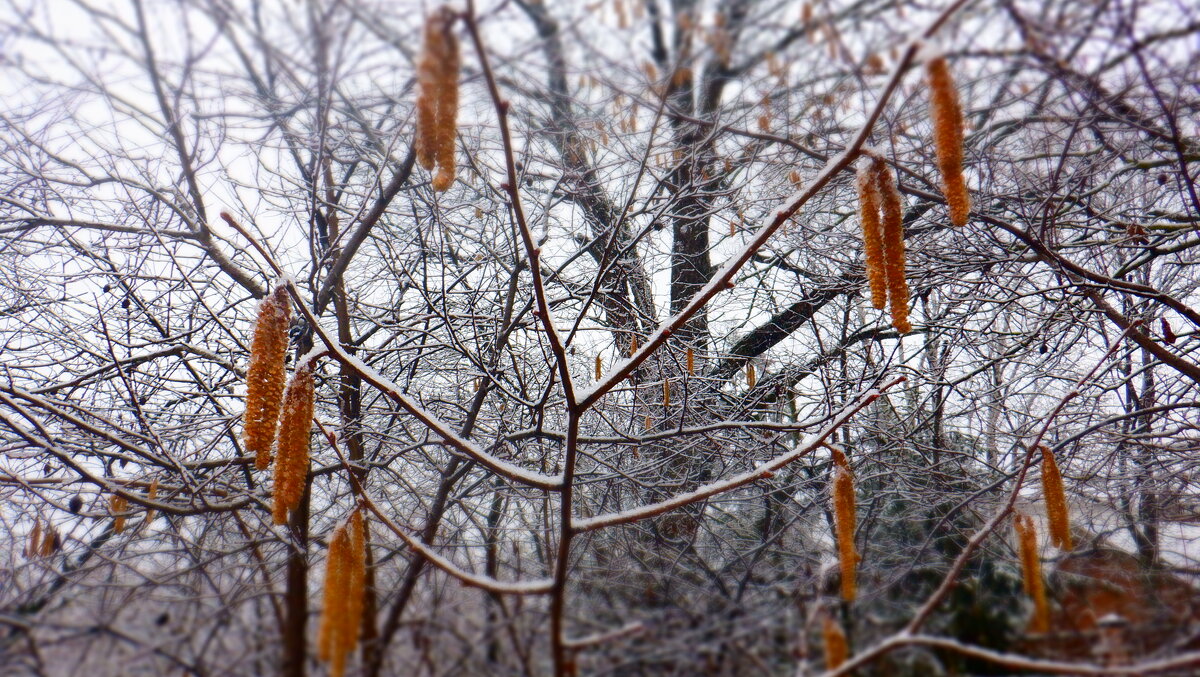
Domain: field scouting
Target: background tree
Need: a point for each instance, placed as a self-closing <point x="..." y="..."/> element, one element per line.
<point x="584" y="395"/>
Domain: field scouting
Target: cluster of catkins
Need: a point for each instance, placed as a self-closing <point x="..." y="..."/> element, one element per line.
<point x="881" y="209"/>
<point x="345" y="586"/>
<point x="278" y="423"/>
<point x="1059" y="523"/>
<point x="278" y="420"/>
<point x="118" y="507"/>
<point x="437" y="102"/>
<point x="42" y="543"/>
<point x="881" y="214"/>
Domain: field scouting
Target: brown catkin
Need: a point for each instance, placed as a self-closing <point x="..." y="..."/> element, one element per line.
<point x="633" y="345"/>
<point x="50" y="542"/>
<point x="681" y="78"/>
<point x="151" y="494"/>
<point x="34" y="547"/>
<point x="892" y="209"/>
<point x="447" y="109"/>
<point x="1056" y="502"/>
<point x="426" y="131"/>
<point x="345" y="582"/>
<point x="751" y="379"/>
<point x="266" y="375"/>
<point x="947" y="117"/>
<point x="1031" y="572"/>
<point x="116" y="506"/>
<point x="836" y="648"/>
<point x="691" y="361"/>
<point x="437" y="101"/>
<point x="291" y="449"/>
<point x="872" y="234"/>
<point x="429" y="78"/>
<point x="599" y="367"/>
<point x="666" y="393"/>
<point x="844" y="523"/>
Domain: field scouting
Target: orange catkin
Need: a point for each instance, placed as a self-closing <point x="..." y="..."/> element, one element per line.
<point x="691" y="361"/>
<point x="1056" y="502"/>
<point x="839" y="458"/>
<point x="356" y="590"/>
<point x="437" y="101"/>
<point x="599" y="367"/>
<point x="946" y="114"/>
<point x="751" y="378"/>
<point x="291" y="448"/>
<point x="332" y="611"/>
<point x="836" y="648"/>
<point x="266" y="374"/>
<point x="345" y="578"/>
<point x="1031" y="572"/>
<point x="844" y="523"/>
<point x="892" y="209"/>
<point x="872" y="233"/>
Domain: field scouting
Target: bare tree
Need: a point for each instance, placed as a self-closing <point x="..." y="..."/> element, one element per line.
<point x="592" y="397"/>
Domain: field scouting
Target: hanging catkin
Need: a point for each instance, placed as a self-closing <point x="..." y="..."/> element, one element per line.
<point x="691" y="361"/>
<point x="946" y="114"/>
<point x="447" y="111"/>
<point x="836" y="649"/>
<point x="844" y="523"/>
<point x="437" y="101"/>
<point x="666" y="393"/>
<point x="1031" y="572"/>
<point x="1056" y="502"/>
<point x="872" y="233"/>
<point x="50" y="541"/>
<point x="345" y="576"/>
<point x="34" y="547"/>
<point x="332" y="613"/>
<point x="892" y="210"/>
<point x="356" y="590"/>
<point x="117" y="505"/>
<point x="599" y="367"/>
<point x="151" y="494"/>
<point x="266" y="374"/>
<point x="291" y="448"/>
<point x="751" y="379"/>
